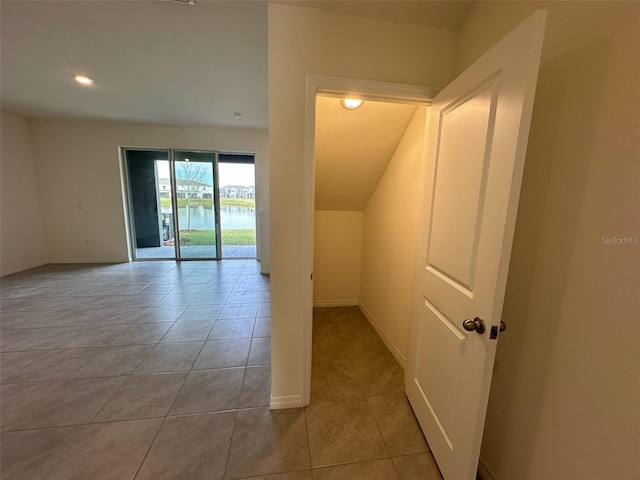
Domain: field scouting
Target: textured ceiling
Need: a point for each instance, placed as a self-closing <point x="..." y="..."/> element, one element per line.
<point x="353" y="148"/>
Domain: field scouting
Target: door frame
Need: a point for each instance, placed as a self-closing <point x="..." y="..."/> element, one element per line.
<point x="339" y="86"/>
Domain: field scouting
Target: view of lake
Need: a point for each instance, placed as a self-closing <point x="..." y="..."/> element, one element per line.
<point x="231" y="217"/>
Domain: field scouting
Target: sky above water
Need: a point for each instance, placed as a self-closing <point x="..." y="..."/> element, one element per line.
<point x="230" y="173"/>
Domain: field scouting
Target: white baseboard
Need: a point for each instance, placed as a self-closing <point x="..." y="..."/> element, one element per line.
<point x="286" y="401"/>
<point x="352" y="302"/>
<point x="26" y="266"/>
<point x="485" y="472"/>
<point x="385" y="338"/>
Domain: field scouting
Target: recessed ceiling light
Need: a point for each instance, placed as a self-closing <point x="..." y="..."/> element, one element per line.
<point x="351" y="103"/>
<point x="237" y="115"/>
<point x="83" y="80"/>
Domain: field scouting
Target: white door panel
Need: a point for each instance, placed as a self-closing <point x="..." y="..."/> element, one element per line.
<point x="442" y="384"/>
<point x="460" y="186"/>
<point x="477" y="140"/>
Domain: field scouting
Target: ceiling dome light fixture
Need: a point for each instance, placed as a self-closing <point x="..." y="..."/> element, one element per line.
<point x="351" y="103"/>
<point x="83" y="80"/>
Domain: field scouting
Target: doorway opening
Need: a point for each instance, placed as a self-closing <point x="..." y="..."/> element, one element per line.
<point x="174" y="205"/>
<point x="332" y="86"/>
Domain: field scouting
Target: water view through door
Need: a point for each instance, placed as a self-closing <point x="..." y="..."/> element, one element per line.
<point x="194" y="187"/>
<point x="191" y="204"/>
<point x="237" y="205"/>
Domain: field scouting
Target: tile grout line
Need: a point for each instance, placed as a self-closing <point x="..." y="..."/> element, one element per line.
<point x="233" y="429"/>
<point x="368" y="405"/>
<point x="182" y="386"/>
<point x="153" y="345"/>
<point x="170" y="406"/>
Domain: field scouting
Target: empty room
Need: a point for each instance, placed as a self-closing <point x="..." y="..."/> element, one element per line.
<point x="295" y="240"/>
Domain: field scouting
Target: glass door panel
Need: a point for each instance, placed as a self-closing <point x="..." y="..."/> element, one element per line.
<point x="194" y="177"/>
<point x="150" y="203"/>
<point x="237" y="188"/>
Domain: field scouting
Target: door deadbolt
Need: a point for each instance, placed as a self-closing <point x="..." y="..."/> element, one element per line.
<point x="476" y="324"/>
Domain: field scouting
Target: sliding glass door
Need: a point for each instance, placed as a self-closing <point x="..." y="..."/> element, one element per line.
<point x="175" y="199"/>
<point x="194" y="174"/>
<point x="172" y="204"/>
<point x="236" y="175"/>
<point x="150" y="203"/>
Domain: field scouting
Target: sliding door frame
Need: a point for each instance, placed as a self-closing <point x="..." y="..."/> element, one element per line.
<point x="244" y="162"/>
<point x="131" y="234"/>
<point x="174" y="205"/>
<point x="216" y="205"/>
<point x="130" y="220"/>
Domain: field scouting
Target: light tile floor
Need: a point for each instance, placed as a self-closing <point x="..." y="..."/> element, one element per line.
<point x="228" y="251"/>
<point x="158" y="370"/>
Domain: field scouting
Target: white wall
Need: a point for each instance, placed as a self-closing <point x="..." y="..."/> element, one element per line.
<point x="337" y="257"/>
<point x="390" y="234"/>
<point x="22" y="235"/>
<point x="307" y="41"/>
<point x="565" y="398"/>
<point x="79" y="178"/>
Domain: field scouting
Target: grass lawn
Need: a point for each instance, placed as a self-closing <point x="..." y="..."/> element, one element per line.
<point x="239" y="202"/>
<point x="207" y="237"/>
<point x="208" y="202"/>
<point x="182" y="202"/>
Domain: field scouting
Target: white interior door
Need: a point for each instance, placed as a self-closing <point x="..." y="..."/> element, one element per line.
<point x="477" y="140"/>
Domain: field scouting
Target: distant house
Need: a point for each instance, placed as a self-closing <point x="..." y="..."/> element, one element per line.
<point x="185" y="189"/>
<point x="237" y="191"/>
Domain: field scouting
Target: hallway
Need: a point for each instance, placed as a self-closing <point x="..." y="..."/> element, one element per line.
<point x="153" y="370"/>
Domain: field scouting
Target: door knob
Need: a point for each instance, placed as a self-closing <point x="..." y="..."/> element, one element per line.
<point x="503" y="326"/>
<point x="476" y="324"/>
